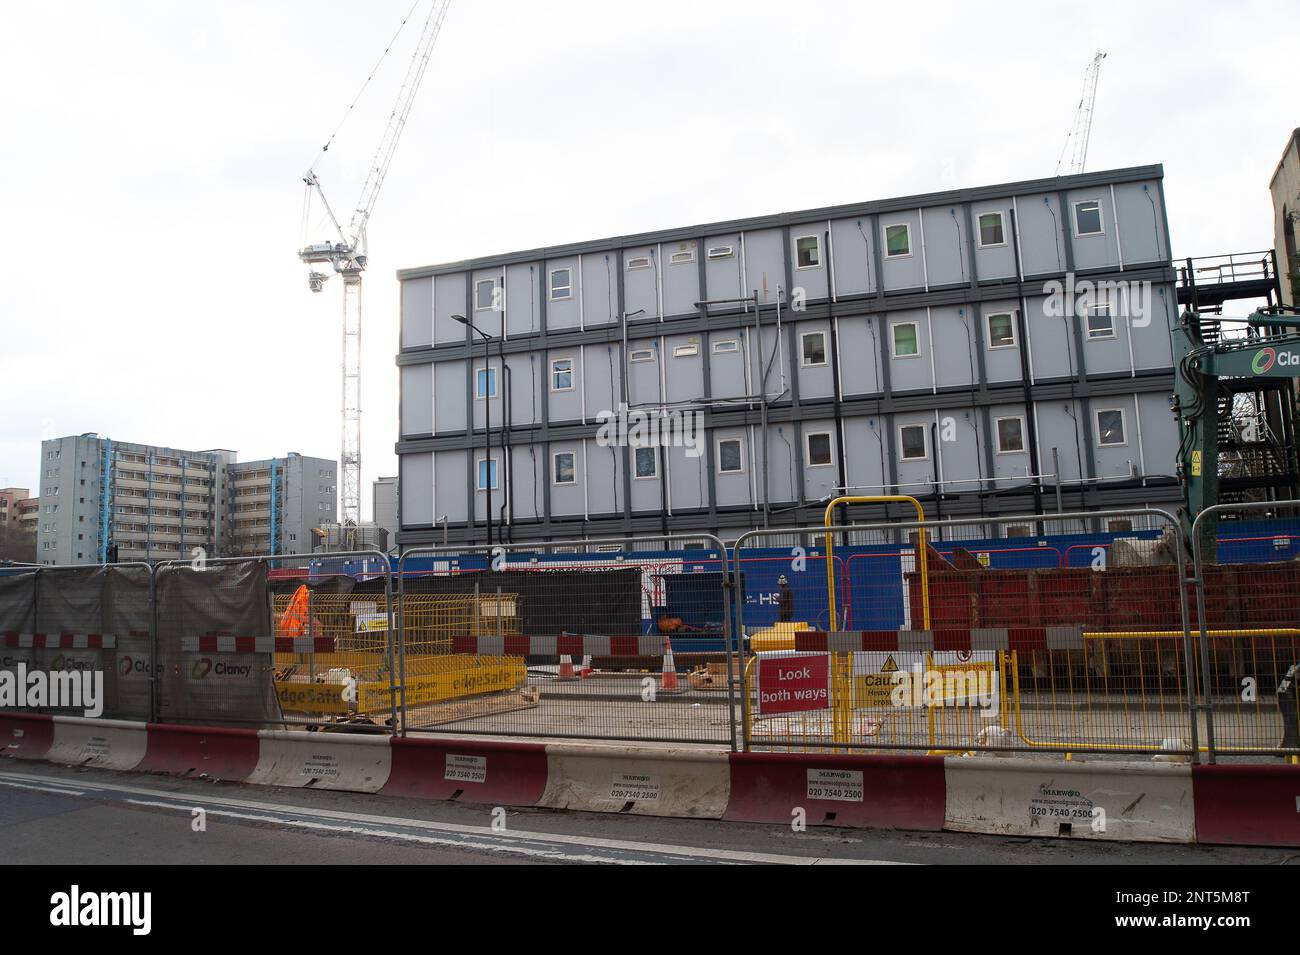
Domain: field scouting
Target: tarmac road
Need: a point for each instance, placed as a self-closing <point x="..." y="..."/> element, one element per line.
<point x="52" y="814"/>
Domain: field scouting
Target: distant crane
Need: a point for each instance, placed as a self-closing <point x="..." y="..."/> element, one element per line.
<point x="1081" y="131"/>
<point x="347" y="256"/>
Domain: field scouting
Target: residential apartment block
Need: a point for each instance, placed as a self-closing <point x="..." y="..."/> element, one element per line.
<point x="11" y="500"/>
<point x="161" y="503"/>
<point x="994" y="350"/>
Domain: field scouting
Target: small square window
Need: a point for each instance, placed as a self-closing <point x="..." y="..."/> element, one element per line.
<point x="563" y="469"/>
<point x="1011" y="435"/>
<point x="813" y="347"/>
<point x="562" y="374"/>
<point x="561" y="284"/>
<point x="911" y="442"/>
<point x="730" y="459"/>
<point x="1002" y="330"/>
<point x="485" y="383"/>
<point x="487" y="474"/>
<point x="1101" y="324"/>
<point x="641" y="354"/>
<point x="1110" y="427"/>
<point x="485" y="295"/>
<point x="646" y="462"/>
<point x="905" y="342"/>
<point x="819" y="449"/>
<point x="991" y="231"/>
<point x="898" y="240"/>
<point x="725" y="346"/>
<point x="807" y="250"/>
<point x="1087" y="218"/>
<point x="689" y="350"/>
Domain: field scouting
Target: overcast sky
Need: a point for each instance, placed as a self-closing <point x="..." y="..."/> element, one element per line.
<point x="152" y="156"/>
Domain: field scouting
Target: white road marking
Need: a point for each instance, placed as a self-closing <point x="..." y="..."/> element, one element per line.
<point x="44" y="789"/>
<point x="348" y="821"/>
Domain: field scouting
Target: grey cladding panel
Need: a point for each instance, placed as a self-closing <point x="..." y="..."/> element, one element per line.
<point x="523" y="299"/>
<point x="852" y="256"/>
<point x="417" y="489"/>
<point x="860" y="354"/>
<point x="765" y="263"/>
<point x="1141" y="223"/>
<point x="599" y="288"/>
<point x="946" y="260"/>
<point x="994" y="260"/>
<point x="417" y="399"/>
<point x="681" y="278"/>
<point x="1042" y="241"/>
<point x="905" y="268"/>
<point x="448" y="300"/>
<point x="417" y="313"/>
<point x="641" y="280"/>
<point x="684" y="379"/>
<point x="563" y="312"/>
<point x="449" y="396"/>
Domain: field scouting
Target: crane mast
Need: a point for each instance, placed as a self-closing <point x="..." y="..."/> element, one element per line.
<point x="1081" y="130"/>
<point x="346" y="255"/>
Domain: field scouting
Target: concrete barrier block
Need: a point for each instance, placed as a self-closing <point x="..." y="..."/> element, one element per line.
<point x="104" y="744"/>
<point x="641" y="780"/>
<point x="1084" y="799"/>
<point x="322" y="760"/>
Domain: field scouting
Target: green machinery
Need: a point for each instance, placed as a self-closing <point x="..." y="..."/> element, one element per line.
<point x="1235" y="402"/>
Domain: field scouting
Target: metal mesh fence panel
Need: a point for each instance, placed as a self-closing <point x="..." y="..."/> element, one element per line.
<point x="948" y="640"/>
<point x="591" y="639"/>
<point x="1248" y="622"/>
<point x="79" y="639"/>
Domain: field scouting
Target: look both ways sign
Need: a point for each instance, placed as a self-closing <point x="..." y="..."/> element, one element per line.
<point x="793" y="684"/>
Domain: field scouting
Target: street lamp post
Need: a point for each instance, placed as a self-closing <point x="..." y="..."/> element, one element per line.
<point x="487" y="411"/>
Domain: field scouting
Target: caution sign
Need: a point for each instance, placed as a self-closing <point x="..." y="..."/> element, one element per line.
<point x="876" y="673"/>
<point x="1196" y="464"/>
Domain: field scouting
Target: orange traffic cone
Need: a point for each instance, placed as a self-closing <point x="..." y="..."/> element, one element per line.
<point x="584" y="670"/>
<point x="668" y="680"/>
<point x="566" y="668"/>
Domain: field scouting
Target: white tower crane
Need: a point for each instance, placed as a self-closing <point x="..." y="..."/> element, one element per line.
<point x="347" y="255"/>
<point x="1081" y="131"/>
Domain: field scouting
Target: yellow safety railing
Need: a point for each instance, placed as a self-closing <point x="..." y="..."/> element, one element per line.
<point x="922" y="549"/>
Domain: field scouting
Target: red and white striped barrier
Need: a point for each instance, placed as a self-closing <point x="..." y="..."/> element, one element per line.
<point x="212" y="643"/>
<point x="570" y="644"/>
<point x="1242" y="804"/>
<point x="979" y="638"/>
<point x="60" y="641"/>
<point x="25" y="735"/>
